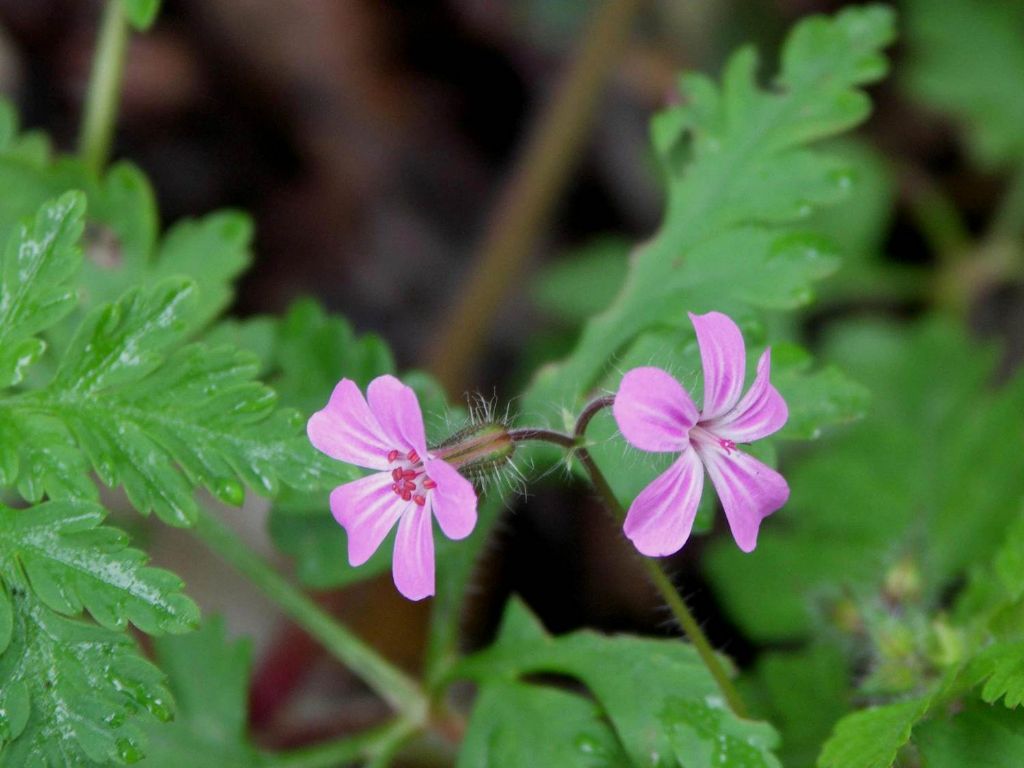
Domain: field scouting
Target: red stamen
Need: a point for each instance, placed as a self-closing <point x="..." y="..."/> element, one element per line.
<point x="409" y="485"/>
<point x="393" y="455"/>
<point x="413" y="457"/>
<point x="406" y="494"/>
<point x="419" y="500"/>
<point x="409" y="473"/>
<point x="429" y="484"/>
<point x="729" y="445"/>
<point x="394" y="487"/>
<point x="396" y="475"/>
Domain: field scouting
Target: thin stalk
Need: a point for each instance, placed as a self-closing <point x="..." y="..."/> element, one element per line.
<point x="544" y="436"/>
<point x="345" y="750"/>
<point x="555" y="143"/>
<point x="390" y="683"/>
<point x="104" y="92"/>
<point x="657" y="576"/>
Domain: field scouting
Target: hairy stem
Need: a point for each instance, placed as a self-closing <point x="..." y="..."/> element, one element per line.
<point x="657" y="576"/>
<point x="104" y="90"/>
<point x="390" y="683"/>
<point x="556" y="141"/>
<point x="544" y="436"/>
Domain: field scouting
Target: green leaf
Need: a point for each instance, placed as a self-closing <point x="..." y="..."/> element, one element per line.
<point x="209" y="678"/>
<point x="141" y="13"/>
<point x="920" y="478"/>
<point x="522" y="726"/>
<point x="967" y="59"/>
<point x="161" y="419"/>
<point x="872" y="737"/>
<point x="72" y="693"/>
<point x="978" y="736"/>
<point x="584" y="282"/>
<point x="1000" y="670"/>
<point x="802" y="693"/>
<point x="35" y="282"/>
<point x="657" y="694"/>
<point x="73" y="562"/>
<point x="739" y="179"/>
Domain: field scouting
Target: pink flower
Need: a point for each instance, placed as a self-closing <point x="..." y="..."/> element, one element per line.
<point x="654" y="413"/>
<point x="385" y="432"/>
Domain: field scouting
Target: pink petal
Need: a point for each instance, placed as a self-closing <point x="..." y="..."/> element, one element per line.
<point x="723" y="356"/>
<point x="346" y="430"/>
<point x="453" y="501"/>
<point x="413" y="562"/>
<point x="398" y="411"/>
<point x="761" y="412"/>
<point x="748" y="489"/>
<point x="661" y="517"/>
<point x="367" y="509"/>
<point x="653" y="411"/>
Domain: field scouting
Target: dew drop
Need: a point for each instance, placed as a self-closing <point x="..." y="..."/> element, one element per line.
<point x="128" y="750"/>
<point x="229" y="490"/>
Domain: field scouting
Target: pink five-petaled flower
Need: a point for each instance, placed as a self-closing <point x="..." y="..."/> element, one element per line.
<point x="655" y="413"/>
<point x="385" y="432"/>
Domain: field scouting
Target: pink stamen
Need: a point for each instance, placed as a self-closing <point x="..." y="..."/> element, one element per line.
<point x="419" y="500"/>
<point x="393" y="456"/>
<point x="413" y="457"/>
<point x="729" y="445"/>
<point x="429" y="484"/>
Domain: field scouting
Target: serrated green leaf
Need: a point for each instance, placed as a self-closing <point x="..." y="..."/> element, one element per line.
<point x="209" y="677"/>
<point x="999" y="669"/>
<point x="141" y="13"/>
<point x="656" y="693"/>
<point x="967" y="59"/>
<point x="161" y="419"/>
<point x="36" y="290"/>
<point x="897" y="485"/>
<point x="739" y="178"/>
<point x="978" y="736"/>
<point x="522" y="726"/>
<point x="73" y="562"/>
<point x="872" y="737"/>
<point x="72" y="693"/>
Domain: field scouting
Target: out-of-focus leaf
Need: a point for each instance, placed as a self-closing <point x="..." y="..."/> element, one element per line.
<point x="980" y="735"/>
<point x="141" y="13"/>
<point x="967" y="59"/>
<point x="209" y="677"/>
<point x="657" y="694"/>
<point x="523" y="726"/>
<point x="583" y="282"/>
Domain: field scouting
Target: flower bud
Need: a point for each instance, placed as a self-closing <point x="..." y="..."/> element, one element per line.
<point x="477" y="449"/>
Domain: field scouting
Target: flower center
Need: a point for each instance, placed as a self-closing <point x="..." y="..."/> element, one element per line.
<point x="411" y="482"/>
<point x="699" y="434"/>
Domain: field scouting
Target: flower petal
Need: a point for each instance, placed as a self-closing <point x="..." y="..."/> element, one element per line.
<point x="413" y="562"/>
<point x="453" y="501"/>
<point x="661" y="517"/>
<point x="346" y="430"/>
<point x="723" y="355"/>
<point x="761" y="412"/>
<point x="748" y="489"/>
<point x="367" y="509"/>
<point x="653" y="411"/>
<point x="398" y="411"/>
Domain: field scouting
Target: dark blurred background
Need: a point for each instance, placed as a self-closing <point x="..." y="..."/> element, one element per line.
<point x="371" y="139"/>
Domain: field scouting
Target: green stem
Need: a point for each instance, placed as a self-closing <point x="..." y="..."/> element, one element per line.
<point x="937" y="218"/>
<point x="347" y="749"/>
<point x="390" y="683"/>
<point x="661" y="582"/>
<point x="104" y="88"/>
